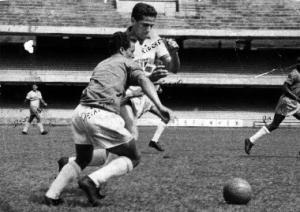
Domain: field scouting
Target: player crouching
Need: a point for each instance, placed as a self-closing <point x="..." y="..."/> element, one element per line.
<point x="288" y="105"/>
<point x="96" y="122"/>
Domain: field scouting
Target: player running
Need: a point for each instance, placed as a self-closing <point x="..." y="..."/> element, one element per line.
<point x="97" y="122"/>
<point x="149" y="48"/>
<point x="35" y="98"/>
<point x="288" y="105"/>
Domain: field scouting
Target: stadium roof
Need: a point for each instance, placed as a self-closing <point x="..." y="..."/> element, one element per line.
<point x="199" y="18"/>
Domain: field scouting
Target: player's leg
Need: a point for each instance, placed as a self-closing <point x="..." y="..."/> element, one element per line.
<point x="69" y="172"/>
<point x="27" y="123"/>
<point x="249" y="142"/>
<point x="130" y="120"/>
<point x="127" y="160"/>
<point x="72" y="170"/>
<point x="98" y="159"/>
<point x="154" y="142"/>
<point x="39" y="123"/>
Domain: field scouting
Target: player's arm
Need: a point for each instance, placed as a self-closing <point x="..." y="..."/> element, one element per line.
<point x="156" y="112"/>
<point x="287" y="91"/>
<point x="149" y="89"/>
<point x="43" y="102"/>
<point x="171" y="61"/>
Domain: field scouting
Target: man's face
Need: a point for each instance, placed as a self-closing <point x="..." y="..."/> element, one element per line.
<point x="34" y="87"/>
<point x="143" y="27"/>
<point x="129" y="52"/>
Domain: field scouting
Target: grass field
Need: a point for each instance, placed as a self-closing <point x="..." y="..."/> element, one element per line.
<point x="189" y="176"/>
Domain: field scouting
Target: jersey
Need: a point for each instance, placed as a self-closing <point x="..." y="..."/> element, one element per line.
<point x="34" y="97"/>
<point x="108" y="82"/>
<point x="293" y="80"/>
<point x="150" y="49"/>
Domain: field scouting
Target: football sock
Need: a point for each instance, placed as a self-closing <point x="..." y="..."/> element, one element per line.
<point x="68" y="173"/>
<point x="25" y="129"/>
<point x="99" y="157"/>
<point x="116" y="167"/>
<point x="261" y="132"/>
<point x="159" y="130"/>
<point x="40" y="126"/>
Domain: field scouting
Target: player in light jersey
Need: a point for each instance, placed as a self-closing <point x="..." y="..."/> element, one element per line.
<point x="149" y="48"/>
<point x="96" y="122"/>
<point x="288" y="105"/>
<point x="34" y="97"/>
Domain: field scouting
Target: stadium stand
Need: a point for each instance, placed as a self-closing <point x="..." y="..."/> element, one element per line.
<point x="225" y="43"/>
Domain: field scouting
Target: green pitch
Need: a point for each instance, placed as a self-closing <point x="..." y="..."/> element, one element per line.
<point x="189" y="176"/>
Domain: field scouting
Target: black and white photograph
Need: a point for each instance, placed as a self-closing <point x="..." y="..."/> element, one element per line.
<point x="155" y="105"/>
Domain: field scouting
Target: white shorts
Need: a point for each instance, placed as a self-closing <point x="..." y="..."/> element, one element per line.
<point x="141" y="105"/>
<point x="98" y="127"/>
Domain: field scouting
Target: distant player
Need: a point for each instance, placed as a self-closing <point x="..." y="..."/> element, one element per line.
<point x="149" y="48"/>
<point x="96" y="122"/>
<point x="288" y="105"/>
<point x="34" y="97"/>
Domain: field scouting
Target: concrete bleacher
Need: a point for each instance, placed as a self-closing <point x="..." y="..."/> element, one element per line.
<point x="216" y="66"/>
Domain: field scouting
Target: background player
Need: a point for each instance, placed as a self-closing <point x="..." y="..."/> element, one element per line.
<point x="287" y="105"/>
<point x="34" y="97"/>
<point x="96" y="122"/>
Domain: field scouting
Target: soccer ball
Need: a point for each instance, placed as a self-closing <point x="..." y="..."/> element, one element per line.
<point x="237" y="191"/>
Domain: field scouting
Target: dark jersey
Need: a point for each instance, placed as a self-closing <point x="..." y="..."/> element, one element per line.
<point x="109" y="80"/>
<point x="293" y="80"/>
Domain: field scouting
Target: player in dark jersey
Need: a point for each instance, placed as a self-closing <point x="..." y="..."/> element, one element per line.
<point x="96" y="122"/>
<point x="288" y="105"/>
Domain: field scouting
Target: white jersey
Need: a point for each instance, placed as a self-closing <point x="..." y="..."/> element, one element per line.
<point x="34" y="97"/>
<point x="152" y="48"/>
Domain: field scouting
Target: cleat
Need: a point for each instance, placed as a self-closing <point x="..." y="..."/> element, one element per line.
<point x="52" y="202"/>
<point x="90" y="189"/>
<point x="156" y="145"/>
<point x="62" y="162"/>
<point x="24" y="133"/>
<point x="44" y="133"/>
<point x="248" y="146"/>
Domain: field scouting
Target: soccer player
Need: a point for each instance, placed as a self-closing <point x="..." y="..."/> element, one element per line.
<point x="35" y="98"/>
<point x="149" y="48"/>
<point x="97" y="122"/>
<point x="288" y="105"/>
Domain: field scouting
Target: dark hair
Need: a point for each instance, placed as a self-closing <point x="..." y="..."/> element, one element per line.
<point x="118" y="40"/>
<point x="141" y="9"/>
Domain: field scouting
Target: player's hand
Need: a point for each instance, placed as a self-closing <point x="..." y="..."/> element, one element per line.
<point x="158" y="73"/>
<point x="166" y="113"/>
<point x="45" y="104"/>
<point x="171" y="44"/>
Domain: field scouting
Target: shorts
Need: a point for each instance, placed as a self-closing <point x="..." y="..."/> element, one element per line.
<point x="287" y="106"/>
<point x="35" y="111"/>
<point x="98" y="127"/>
<point x="141" y="105"/>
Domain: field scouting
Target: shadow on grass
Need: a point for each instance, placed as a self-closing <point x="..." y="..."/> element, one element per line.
<point x="73" y="197"/>
<point x="4" y="206"/>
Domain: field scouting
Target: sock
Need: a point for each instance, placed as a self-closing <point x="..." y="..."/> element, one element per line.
<point x="41" y="127"/>
<point x="159" y="130"/>
<point x="100" y="156"/>
<point x="68" y="173"/>
<point x="261" y="132"/>
<point x="116" y="167"/>
<point x="25" y="129"/>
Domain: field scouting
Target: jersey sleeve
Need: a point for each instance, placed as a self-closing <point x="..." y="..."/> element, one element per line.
<point x="134" y="70"/>
<point x="161" y="49"/>
<point x="28" y="96"/>
<point x="40" y="95"/>
<point x="293" y="77"/>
